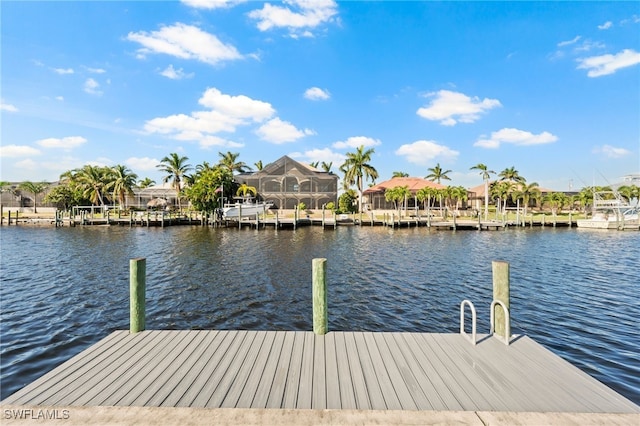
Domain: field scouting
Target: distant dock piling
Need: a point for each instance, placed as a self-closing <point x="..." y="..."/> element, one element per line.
<point x="137" y="291"/>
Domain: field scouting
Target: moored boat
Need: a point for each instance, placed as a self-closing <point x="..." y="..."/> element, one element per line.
<point x="610" y="211"/>
<point x="245" y="207"/>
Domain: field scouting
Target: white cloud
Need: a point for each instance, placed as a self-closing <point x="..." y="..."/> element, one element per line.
<point x="447" y="104"/>
<point x="27" y="164"/>
<point x="611" y="152"/>
<point x="278" y="131"/>
<point x="225" y="114"/>
<point x="356" y="142"/>
<point x="60" y="98"/>
<point x="320" y="155"/>
<point x="424" y="152"/>
<point x="569" y="42"/>
<point x="317" y="94"/>
<point x="67" y="143"/>
<point x="515" y="137"/>
<point x="633" y="20"/>
<point x="17" y="151"/>
<point x="210" y="140"/>
<point x="236" y="106"/>
<point x="211" y="4"/>
<point x="8" y="107"/>
<point x="605" y="26"/>
<point x="588" y="45"/>
<point x="598" y="66"/>
<point x="175" y="74"/>
<point x="185" y="42"/>
<point x="92" y="87"/>
<point x="309" y="14"/>
<point x="95" y="70"/>
<point x="143" y="164"/>
<point x="63" y="71"/>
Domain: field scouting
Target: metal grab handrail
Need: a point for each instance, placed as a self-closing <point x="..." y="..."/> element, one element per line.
<point x="473" y="321"/>
<point x="507" y="326"/>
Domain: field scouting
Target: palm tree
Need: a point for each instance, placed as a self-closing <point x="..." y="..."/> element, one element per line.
<point x="398" y="194"/>
<point x="525" y="193"/>
<point x="230" y="161"/>
<point x="511" y="174"/>
<point x="400" y="174"/>
<point x="122" y="183"/>
<point x="176" y="169"/>
<point x="425" y="194"/>
<point x="92" y="181"/>
<point x="314" y="164"/>
<point x="458" y="194"/>
<point x="628" y="192"/>
<point x="486" y="175"/>
<point x="146" y="182"/>
<point x="244" y="189"/>
<point x="36" y="189"/>
<point x="556" y="200"/>
<point x="500" y="190"/>
<point x="258" y="165"/>
<point x="327" y="166"/>
<point x="436" y="174"/>
<point x="357" y="169"/>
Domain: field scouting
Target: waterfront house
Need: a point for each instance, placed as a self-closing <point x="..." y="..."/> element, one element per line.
<point x="374" y="196"/>
<point x="287" y="183"/>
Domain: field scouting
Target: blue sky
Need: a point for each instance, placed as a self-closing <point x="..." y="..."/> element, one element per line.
<point x="550" y="88"/>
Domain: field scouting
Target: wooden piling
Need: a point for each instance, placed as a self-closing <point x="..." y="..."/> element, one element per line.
<point x="500" y="271"/>
<point x="319" y="286"/>
<point x="137" y="290"/>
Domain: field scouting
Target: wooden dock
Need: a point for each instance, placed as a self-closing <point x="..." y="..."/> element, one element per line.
<point x="339" y="370"/>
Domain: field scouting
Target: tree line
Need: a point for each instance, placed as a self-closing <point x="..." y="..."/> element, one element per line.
<point x="204" y="185"/>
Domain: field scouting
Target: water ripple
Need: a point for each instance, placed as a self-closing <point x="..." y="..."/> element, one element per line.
<point x="63" y="289"/>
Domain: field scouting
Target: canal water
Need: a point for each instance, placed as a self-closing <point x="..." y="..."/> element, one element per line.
<point x="574" y="291"/>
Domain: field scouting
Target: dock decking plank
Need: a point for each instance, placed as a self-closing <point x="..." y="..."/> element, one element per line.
<point x="589" y="394"/>
<point x="469" y="368"/>
<point x="340" y="370"/>
<point x="146" y="371"/>
<point x="401" y="389"/>
<point x="347" y="394"/>
<point x="157" y="392"/>
<point x="391" y="400"/>
<point x="196" y="363"/>
<point x="230" y="373"/>
<point x="472" y="388"/>
<point x="243" y="378"/>
<point x="278" y="387"/>
<point x="30" y="393"/>
<point x="319" y="394"/>
<point x="441" y="369"/>
<point x="428" y="379"/>
<point x="331" y="362"/>
<point x="250" y="390"/>
<point x="223" y="360"/>
<point x="305" y="386"/>
<point x="200" y="380"/>
<point x="267" y="378"/>
<point x="369" y="372"/>
<point x="79" y="388"/>
<point x="290" y="397"/>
